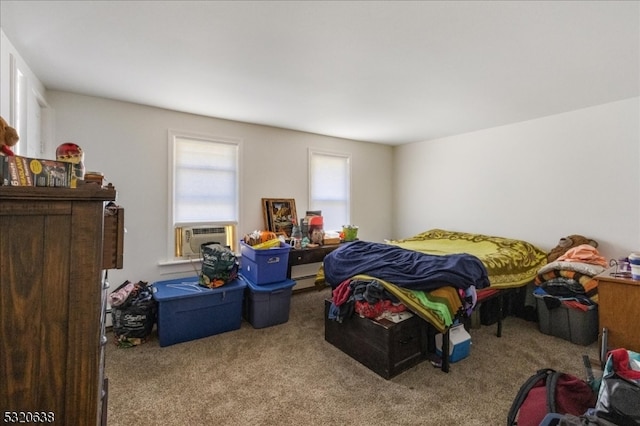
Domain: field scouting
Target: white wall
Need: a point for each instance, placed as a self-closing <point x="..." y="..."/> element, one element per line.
<point x="539" y="180"/>
<point x="26" y="110"/>
<point x="129" y="143"/>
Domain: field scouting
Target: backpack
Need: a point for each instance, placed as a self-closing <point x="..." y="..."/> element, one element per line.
<point x="619" y="391"/>
<point x="550" y="391"/>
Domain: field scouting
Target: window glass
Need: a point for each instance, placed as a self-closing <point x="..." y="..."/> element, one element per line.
<point x="330" y="183"/>
<point x="205" y="186"/>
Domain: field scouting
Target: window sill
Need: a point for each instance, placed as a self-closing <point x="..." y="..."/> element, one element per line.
<point x="173" y="262"/>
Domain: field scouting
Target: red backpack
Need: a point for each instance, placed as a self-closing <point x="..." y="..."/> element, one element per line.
<point x="549" y="391"/>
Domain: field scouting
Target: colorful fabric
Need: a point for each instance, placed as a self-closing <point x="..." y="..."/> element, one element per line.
<point x="621" y="364"/>
<point x="377" y="309"/>
<point x="438" y="307"/>
<point x="584" y="253"/>
<point x="584" y="268"/>
<point x="563" y="282"/>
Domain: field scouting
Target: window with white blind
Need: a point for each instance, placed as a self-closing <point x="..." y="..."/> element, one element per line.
<point x="204" y="183"/>
<point x="330" y="187"/>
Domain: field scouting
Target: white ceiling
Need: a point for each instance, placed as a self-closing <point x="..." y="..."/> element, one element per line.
<point x="385" y="71"/>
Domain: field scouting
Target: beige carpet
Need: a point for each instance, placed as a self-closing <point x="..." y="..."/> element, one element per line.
<point x="288" y="375"/>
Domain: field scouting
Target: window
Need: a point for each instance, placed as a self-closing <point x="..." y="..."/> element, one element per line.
<point x="204" y="183"/>
<point x="330" y="187"/>
<point x="29" y="112"/>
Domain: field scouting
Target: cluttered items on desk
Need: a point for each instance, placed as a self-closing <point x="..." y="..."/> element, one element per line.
<point x="628" y="267"/>
<point x="311" y="232"/>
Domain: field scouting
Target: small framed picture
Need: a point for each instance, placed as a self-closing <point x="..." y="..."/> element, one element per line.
<point x="279" y="215"/>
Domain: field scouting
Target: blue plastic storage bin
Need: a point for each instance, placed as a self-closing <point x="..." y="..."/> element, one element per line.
<point x="265" y="266"/>
<point x="267" y="305"/>
<point x="188" y="311"/>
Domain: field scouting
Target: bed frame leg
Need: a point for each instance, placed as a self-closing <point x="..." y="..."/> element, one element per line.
<point x="500" y="314"/>
<point x="443" y="360"/>
<point x="445" y="351"/>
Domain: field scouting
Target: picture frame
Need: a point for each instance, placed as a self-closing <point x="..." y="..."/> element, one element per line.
<point x="279" y="215"/>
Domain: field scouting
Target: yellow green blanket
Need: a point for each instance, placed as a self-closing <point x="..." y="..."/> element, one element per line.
<point x="438" y="307"/>
<point x="509" y="262"/>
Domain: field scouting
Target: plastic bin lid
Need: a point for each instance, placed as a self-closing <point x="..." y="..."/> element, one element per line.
<point x="188" y="287"/>
<point x="283" y="247"/>
<point x="268" y="288"/>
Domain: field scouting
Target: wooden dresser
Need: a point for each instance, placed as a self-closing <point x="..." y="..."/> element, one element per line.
<point x="619" y="310"/>
<point x="52" y="304"/>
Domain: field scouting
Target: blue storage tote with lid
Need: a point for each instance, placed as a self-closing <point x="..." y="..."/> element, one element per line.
<point x="459" y="343"/>
<point x="267" y="305"/>
<point x="188" y="311"/>
<point x="264" y="266"/>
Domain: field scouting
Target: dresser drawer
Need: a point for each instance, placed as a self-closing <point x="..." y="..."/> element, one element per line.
<point x="113" y="240"/>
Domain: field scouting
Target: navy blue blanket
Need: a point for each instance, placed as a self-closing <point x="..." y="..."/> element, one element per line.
<point x="404" y="268"/>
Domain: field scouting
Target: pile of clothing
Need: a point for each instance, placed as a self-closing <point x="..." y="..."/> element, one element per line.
<point x="365" y="297"/>
<point x="570" y="279"/>
<point x="133" y="313"/>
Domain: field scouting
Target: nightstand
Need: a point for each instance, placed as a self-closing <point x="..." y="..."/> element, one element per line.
<point x="619" y="310"/>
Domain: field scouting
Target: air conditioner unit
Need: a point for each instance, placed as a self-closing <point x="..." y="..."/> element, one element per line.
<point x="190" y="238"/>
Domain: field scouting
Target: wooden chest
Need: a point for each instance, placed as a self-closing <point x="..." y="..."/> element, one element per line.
<point x="386" y="347"/>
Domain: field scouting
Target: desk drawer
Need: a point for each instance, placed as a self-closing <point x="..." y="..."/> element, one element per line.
<point x="310" y="255"/>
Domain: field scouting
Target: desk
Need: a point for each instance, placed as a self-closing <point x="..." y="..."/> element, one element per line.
<point x="619" y="301"/>
<point x="308" y="255"/>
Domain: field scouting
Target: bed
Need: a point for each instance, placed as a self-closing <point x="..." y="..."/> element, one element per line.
<point x="460" y="271"/>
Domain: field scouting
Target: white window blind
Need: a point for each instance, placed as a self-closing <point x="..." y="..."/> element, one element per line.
<point x="205" y="180"/>
<point x="330" y="187"/>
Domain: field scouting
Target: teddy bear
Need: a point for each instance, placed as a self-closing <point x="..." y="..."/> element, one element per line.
<point x="567" y="243"/>
<point x="8" y="138"/>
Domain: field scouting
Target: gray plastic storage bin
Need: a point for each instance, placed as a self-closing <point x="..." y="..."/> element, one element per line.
<point x="571" y="324"/>
<point x="267" y="305"/>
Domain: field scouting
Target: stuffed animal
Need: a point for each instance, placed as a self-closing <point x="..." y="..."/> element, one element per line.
<point x="8" y="138"/>
<point x="567" y="243"/>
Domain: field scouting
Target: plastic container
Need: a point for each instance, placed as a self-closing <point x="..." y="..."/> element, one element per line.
<point x="267" y="305"/>
<point x="188" y="311"/>
<point x="350" y="232"/>
<point x="634" y="261"/>
<point x="570" y="324"/>
<point x="459" y="343"/>
<point x="264" y="266"/>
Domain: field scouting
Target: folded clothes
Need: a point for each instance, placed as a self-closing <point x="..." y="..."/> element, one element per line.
<point x="583" y="253"/>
